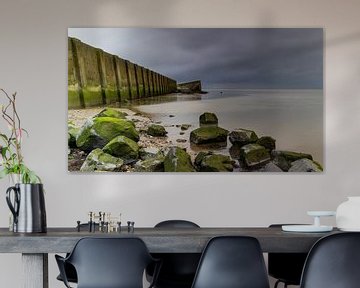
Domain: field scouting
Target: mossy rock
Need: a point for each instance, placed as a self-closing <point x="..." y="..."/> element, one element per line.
<point x="150" y="152"/>
<point x="156" y="130"/>
<point x="283" y="159"/>
<point x="208" y="118"/>
<point x="155" y="164"/>
<point x="177" y="160"/>
<point x="305" y="165"/>
<point x="209" y="162"/>
<point x="111" y="112"/>
<point x="267" y="142"/>
<point x="185" y="126"/>
<point x="124" y="148"/>
<point x="98" y="160"/>
<point x="254" y="155"/>
<point x="208" y="135"/>
<point x="242" y="137"/>
<point x="73" y="131"/>
<point x="99" y="131"/>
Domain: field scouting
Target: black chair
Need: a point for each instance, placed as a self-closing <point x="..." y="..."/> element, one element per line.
<point x="232" y="262"/>
<point x="333" y="262"/>
<point x="178" y="269"/>
<point x="108" y="263"/>
<point x="286" y="267"/>
<point x="69" y="269"/>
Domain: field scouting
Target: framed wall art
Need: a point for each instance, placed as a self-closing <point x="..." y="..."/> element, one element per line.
<point x="195" y="100"/>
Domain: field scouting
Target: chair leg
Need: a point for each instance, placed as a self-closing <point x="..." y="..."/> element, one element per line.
<point x="278" y="282"/>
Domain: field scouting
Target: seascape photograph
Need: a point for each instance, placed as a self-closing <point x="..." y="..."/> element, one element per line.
<point x="195" y="100"/>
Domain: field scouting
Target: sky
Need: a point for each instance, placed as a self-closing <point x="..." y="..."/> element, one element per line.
<point x="247" y="58"/>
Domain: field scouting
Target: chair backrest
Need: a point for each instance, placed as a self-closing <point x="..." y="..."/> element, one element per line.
<point x="110" y="262"/>
<point x="333" y="262"/>
<point x="232" y="262"/>
<point x="177" y="270"/>
<point x="286" y="266"/>
<point x="176" y="224"/>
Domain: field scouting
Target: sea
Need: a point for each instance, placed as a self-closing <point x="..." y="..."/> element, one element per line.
<point x="295" y="118"/>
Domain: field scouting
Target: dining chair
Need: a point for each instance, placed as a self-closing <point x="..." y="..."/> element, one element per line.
<point x="70" y="271"/>
<point x="286" y="267"/>
<point x="108" y="263"/>
<point x="333" y="262"/>
<point x="232" y="262"/>
<point x="178" y="269"/>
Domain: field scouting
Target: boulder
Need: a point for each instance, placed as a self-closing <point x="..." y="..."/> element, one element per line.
<point x="305" y="165"/>
<point x="185" y="126"/>
<point x="208" y="118"/>
<point x="98" y="160"/>
<point x="270" y="167"/>
<point x="254" y="155"/>
<point x="177" y="160"/>
<point x="149" y="152"/>
<point x="242" y="137"/>
<point x="267" y="142"/>
<point x="209" y="162"/>
<point x="124" y="148"/>
<point x="111" y="112"/>
<point x="156" y="130"/>
<point x="155" y="164"/>
<point x="97" y="132"/>
<point x="208" y="134"/>
<point x="283" y="159"/>
<point x="73" y="131"/>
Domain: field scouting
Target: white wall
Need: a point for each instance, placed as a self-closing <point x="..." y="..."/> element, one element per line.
<point x="33" y="62"/>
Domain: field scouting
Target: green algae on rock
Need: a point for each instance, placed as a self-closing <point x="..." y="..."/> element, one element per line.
<point x="283" y="159"/>
<point x="111" y="112"/>
<point x="124" y="148"/>
<point x="208" y="118"/>
<point x="242" y="137"/>
<point x="98" y="160"/>
<point x="156" y="130"/>
<point x="267" y="142"/>
<point x="97" y="132"/>
<point x="208" y="134"/>
<point x="209" y="162"/>
<point x="178" y="160"/>
<point x="254" y="155"/>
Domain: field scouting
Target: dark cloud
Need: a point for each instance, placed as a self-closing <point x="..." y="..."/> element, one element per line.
<point x="239" y="58"/>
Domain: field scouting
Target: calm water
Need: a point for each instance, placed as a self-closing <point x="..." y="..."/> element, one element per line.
<point x="293" y="117"/>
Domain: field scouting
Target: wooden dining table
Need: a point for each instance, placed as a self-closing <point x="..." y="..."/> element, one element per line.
<point x="35" y="247"/>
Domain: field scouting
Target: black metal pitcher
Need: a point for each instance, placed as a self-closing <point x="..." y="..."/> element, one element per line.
<point x="28" y="208"/>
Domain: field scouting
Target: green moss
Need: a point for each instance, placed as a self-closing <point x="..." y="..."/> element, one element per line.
<point x="92" y="96"/>
<point x="107" y="127"/>
<point x="73" y="99"/>
<point x="123" y="148"/>
<point x="111" y="95"/>
<point x="111" y="112"/>
<point x="124" y="94"/>
<point x="254" y="155"/>
<point x="208" y="134"/>
<point x="177" y="160"/>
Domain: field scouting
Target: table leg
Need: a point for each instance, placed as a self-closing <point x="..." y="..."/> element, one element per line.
<point x="35" y="270"/>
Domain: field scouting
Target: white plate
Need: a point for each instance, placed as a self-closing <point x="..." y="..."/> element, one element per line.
<point x="350" y="229"/>
<point x="321" y="213"/>
<point x="306" y="228"/>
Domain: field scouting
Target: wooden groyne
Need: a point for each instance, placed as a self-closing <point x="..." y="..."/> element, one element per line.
<point x="98" y="78"/>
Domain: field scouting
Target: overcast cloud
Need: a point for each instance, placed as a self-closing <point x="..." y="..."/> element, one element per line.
<point x="237" y="58"/>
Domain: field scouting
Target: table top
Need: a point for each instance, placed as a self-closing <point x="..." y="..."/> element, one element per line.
<point x="158" y="240"/>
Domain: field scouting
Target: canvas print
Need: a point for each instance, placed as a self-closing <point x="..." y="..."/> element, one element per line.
<point x="195" y="100"/>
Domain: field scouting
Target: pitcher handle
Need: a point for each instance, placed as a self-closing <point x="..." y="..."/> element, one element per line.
<point x="13" y="208"/>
